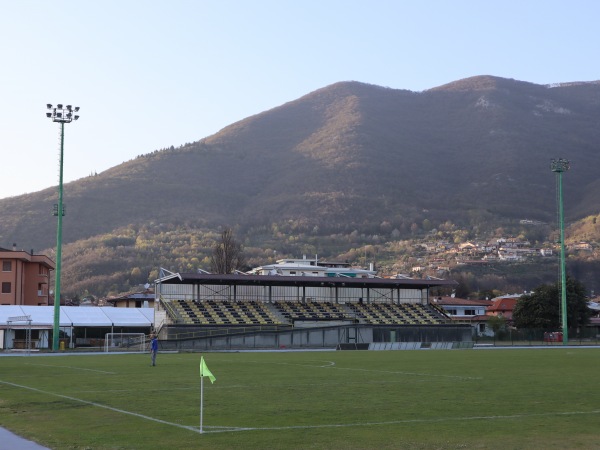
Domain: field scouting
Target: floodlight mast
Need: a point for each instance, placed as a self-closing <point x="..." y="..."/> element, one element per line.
<point x="559" y="166"/>
<point x="61" y="114"/>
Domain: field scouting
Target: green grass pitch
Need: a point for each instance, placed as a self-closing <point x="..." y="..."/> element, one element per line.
<point x="445" y="399"/>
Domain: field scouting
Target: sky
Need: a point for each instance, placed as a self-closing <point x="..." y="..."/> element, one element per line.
<point x="151" y="74"/>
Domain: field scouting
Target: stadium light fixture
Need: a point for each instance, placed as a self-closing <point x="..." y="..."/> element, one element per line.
<point x="62" y="116"/>
<point x="559" y="166"/>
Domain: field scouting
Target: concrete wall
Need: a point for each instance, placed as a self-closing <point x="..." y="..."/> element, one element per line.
<point x="303" y="338"/>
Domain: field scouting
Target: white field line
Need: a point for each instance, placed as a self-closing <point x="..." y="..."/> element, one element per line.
<point x="223" y="429"/>
<point x="331" y="365"/>
<point x="99" y="405"/>
<point x="455" y="377"/>
<point x="73" y="368"/>
<point x="240" y="386"/>
<point x="403" y="422"/>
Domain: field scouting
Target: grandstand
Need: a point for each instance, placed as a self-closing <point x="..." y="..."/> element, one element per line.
<point x="194" y="312"/>
<point x="201" y="306"/>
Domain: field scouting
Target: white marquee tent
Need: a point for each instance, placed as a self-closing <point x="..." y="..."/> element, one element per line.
<point x="42" y="318"/>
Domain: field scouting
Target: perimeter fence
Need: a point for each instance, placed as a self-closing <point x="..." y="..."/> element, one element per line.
<point x="538" y="337"/>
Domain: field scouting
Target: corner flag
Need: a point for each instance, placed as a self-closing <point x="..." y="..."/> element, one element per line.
<point x="204" y="372"/>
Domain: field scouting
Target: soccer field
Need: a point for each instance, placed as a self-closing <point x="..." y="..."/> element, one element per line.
<point x="446" y="399"/>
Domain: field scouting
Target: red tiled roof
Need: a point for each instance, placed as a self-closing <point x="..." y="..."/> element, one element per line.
<point x="503" y="304"/>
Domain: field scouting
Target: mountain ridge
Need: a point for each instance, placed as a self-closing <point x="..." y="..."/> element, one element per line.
<point x="349" y="156"/>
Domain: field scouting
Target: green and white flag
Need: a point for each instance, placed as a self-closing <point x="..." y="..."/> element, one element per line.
<point x="204" y="372"/>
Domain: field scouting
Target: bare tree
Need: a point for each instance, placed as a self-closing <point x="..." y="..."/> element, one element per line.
<point x="227" y="255"/>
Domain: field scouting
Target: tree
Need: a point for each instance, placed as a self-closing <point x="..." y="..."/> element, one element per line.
<point x="541" y="309"/>
<point x="497" y="324"/>
<point x="464" y="280"/>
<point x="227" y="255"/>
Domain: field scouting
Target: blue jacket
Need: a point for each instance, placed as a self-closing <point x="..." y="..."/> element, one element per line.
<point x="154" y="344"/>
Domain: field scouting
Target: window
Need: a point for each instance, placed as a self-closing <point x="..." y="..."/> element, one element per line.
<point x="469" y="312"/>
<point x="6" y="288"/>
<point x="6" y="266"/>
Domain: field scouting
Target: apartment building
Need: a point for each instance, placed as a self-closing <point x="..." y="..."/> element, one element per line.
<point x="24" y="277"/>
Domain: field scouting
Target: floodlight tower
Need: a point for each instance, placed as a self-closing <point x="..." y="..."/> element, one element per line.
<point x="61" y="115"/>
<point x="559" y="166"/>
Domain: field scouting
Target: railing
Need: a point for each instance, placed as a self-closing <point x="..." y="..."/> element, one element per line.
<point x="169" y="309"/>
<point x="226" y="331"/>
<point x="441" y="311"/>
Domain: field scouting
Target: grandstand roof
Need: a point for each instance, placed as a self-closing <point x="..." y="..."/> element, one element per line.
<point x="279" y="280"/>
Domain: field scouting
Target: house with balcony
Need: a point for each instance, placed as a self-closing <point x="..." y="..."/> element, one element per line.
<point x="24" y="278"/>
<point x="137" y="299"/>
<point x="466" y="311"/>
<point x="313" y="267"/>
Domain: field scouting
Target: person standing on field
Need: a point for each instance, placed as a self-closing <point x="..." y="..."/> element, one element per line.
<point x="153" y="348"/>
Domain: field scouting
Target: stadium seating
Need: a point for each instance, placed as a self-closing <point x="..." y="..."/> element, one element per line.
<point x="210" y="312"/>
<point x="391" y="314"/>
<point x="312" y="311"/>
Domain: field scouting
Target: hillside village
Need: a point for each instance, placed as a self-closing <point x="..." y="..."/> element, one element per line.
<point x="439" y="257"/>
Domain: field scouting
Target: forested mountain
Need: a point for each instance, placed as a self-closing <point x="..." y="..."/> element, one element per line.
<point x="347" y="158"/>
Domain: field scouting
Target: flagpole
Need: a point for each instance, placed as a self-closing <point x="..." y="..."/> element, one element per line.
<point x="204" y="372"/>
<point x="201" y="400"/>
